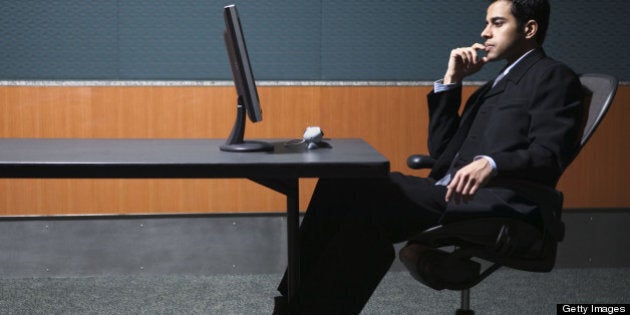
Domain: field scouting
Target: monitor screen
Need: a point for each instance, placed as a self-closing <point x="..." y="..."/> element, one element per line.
<point x="247" y="102"/>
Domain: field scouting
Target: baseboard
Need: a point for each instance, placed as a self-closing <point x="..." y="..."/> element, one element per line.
<point x="227" y="244"/>
<point x="142" y="245"/>
<point x="595" y="238"/>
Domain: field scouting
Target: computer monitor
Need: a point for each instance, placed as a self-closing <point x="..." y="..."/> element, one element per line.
<point x="248" y="103"/>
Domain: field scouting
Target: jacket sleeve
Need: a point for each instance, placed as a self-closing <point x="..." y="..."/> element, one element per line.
<point x="443" y="119"/>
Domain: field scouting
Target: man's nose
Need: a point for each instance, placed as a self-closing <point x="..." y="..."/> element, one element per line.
<point x="486" y="33"/>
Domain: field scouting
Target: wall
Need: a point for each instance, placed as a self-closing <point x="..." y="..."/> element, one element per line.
<point x="288" y="40"/>
<point x="391" y="118"/>
<point x="314" y="40"/>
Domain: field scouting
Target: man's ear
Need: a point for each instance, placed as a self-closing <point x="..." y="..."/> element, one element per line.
<point x="530" y="29"/>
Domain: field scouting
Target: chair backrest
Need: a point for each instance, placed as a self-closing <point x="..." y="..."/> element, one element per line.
<point x="600" y="90"/>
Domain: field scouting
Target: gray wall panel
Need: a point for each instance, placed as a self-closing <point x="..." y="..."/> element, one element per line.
<point x="102" y="246"/>
<point x="170" y="39"/>
<point x="404" y="40"/>
<point x="401" y="40"/>
<point x="58" y="39"/>
<point x="228" y="244"/>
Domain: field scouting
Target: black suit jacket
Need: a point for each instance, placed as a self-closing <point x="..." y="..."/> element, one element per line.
<point x="529" y="123"/>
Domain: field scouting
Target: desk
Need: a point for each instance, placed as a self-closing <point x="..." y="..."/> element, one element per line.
<point x="279" y="170"/>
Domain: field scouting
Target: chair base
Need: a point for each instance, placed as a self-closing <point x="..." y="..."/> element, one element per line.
<point x="464" y="312"/>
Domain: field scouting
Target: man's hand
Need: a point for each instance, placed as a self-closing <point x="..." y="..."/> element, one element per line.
<point x="464" y="62"/>
<point x="468" y="180"/>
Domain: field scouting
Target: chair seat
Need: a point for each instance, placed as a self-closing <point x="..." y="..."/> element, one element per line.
<point x="502" y="241"/>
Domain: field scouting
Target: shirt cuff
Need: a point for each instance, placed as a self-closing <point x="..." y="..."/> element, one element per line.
<point x="439" y="86"/>
<point x="490" y="160"/>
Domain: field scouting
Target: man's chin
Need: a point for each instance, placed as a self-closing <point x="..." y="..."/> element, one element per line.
<point x="492" y="58"/>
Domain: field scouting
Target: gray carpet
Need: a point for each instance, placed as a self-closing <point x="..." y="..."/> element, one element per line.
<point x="505" y="292"/>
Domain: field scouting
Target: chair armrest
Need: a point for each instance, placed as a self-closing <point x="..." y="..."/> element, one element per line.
<point x="420" y="161"/>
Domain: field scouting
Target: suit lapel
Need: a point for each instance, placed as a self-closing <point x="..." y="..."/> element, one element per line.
<point x="517" y="72"/>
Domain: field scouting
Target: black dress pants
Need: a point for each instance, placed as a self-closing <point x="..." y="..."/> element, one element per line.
<point x="347" y="237"/>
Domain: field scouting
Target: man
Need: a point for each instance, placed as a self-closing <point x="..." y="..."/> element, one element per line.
<point x="518" y="131"/>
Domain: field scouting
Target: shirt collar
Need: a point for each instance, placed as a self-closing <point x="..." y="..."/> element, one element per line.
<point x="509" y="68"/>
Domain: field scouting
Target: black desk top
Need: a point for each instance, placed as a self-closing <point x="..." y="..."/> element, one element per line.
<point x="182" y="158"/>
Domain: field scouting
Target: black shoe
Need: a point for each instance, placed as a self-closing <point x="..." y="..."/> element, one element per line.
<point x="280" y="305"/>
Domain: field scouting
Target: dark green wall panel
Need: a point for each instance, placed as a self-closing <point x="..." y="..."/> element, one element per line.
<point x="287" y="40"/>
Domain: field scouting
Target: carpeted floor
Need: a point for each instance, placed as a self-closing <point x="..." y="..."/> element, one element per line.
<point x="505" y="292"/>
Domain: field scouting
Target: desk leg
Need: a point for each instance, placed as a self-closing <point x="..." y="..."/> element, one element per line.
<point x="290" y="187"/>
<point x="293" y="246"/>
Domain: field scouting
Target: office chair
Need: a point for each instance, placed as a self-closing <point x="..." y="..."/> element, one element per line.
<point x="441" y="257"/>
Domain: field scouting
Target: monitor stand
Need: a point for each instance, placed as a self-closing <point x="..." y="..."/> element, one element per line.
<point x="235" y="142"/>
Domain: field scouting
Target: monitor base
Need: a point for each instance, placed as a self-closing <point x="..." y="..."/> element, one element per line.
<point x="247" y="146"/>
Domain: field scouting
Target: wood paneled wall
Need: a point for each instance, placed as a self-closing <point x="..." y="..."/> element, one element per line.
<point x="392" y="119"/>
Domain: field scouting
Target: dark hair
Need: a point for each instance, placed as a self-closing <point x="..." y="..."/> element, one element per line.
<point x="537" y="10"/>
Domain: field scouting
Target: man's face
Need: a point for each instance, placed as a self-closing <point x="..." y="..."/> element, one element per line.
<point x="503" y="38"/>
